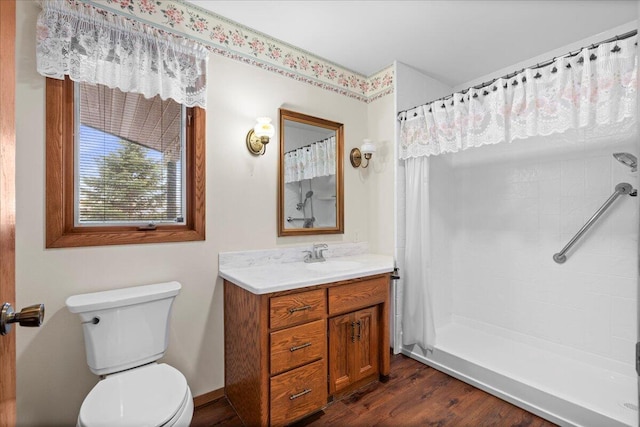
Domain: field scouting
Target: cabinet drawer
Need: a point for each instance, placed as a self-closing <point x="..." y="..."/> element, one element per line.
<point x="297" y="308"/>
<point x="297" y="393"/>
<point x="297" y="345"/>
<point x="358" y="295"/>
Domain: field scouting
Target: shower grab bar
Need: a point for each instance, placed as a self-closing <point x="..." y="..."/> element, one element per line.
<point x="622" y="188"/>
<point x="290" y="218"/>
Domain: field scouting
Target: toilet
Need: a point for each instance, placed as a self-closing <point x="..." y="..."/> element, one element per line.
<point x="125" y="332"/>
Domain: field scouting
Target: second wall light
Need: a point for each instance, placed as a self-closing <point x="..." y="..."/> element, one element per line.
<point x="366" y="149"/>
<point x="258" y="137"/>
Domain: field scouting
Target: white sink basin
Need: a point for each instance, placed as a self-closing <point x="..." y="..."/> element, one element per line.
<point x="329" y="265"/>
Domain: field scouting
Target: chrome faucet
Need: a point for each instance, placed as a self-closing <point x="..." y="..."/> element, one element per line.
<point x="316" y="253"/>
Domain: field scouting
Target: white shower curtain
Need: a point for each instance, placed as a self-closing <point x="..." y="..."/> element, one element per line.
<point x="313" y="160"/>
<point x="417" y="320"/>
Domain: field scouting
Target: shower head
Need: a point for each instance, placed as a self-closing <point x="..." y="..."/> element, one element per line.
<point x="303" y="203"/>
<point x="628" y="160"/>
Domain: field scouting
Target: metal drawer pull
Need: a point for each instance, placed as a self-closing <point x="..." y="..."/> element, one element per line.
<point x="303" y="308"/>
<point x="359" y="324"/>
<point x="301" y="346"/>
<point x="302" y="393"/>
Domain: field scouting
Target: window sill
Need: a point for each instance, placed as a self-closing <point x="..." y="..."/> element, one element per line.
<point x="102" y="238"/>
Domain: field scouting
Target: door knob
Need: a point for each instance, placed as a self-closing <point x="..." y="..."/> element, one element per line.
<point x="31" y="316"/>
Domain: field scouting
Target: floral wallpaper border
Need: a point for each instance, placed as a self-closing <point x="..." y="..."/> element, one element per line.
<point x="232" y="40"/>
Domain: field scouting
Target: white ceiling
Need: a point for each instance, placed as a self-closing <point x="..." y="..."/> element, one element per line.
<point x="454" y="41"/>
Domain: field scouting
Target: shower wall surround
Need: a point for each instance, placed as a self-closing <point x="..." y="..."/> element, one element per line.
<point x="516" y="205"/>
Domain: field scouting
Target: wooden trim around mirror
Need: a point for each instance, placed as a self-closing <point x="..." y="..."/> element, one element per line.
<point x="339" y="130"/>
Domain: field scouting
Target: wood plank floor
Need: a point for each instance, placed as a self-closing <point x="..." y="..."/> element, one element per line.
<point x="416" y="395"/>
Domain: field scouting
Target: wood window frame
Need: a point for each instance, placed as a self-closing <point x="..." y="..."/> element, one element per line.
<point x="61" y="231"/>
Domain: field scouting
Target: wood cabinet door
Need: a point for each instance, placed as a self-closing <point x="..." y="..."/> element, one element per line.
<point x="353" y="348"/>
<point x="365" y="348"/>
<point x="340" y="355"/>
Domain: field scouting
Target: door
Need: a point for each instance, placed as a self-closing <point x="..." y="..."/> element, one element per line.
<point x="366" y="344"/>
<point x="340" y="340"/>
<point x="7" y="205"/>
<point x="637" y="358"/>
<point x="353" y="348"/>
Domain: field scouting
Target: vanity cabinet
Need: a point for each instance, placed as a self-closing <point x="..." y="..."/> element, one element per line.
<point x="287" y="352"/>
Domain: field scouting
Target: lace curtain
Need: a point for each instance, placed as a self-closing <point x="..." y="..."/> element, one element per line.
<point x="94" y="46"/>
<point x="317" y="159"/>
<point x="593" y="91"/>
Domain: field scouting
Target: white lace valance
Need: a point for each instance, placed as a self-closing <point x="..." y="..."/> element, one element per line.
<point x="95" y="46"/>
<point x="592" y="91"/>
<point x="317" y="159"/>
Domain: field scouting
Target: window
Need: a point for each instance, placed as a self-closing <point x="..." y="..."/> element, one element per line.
<point x="122" y="168"/>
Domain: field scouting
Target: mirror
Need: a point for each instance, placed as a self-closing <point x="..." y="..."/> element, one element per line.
<point x="310" y="188"/>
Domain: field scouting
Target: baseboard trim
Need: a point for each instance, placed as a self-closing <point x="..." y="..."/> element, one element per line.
<point x="210" y="397"/>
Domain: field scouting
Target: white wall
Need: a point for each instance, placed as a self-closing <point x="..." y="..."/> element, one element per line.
<point x="514" y="206"/>
<point x="560" y="51"/>
<point x="379" y="175"/>
<point x="241" y="198"/>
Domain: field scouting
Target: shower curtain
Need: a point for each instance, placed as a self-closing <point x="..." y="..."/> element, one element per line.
<point x="313" y="160"/>
<point x="418" y="325"/>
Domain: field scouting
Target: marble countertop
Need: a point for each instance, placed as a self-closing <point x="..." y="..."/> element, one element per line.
<point x="274" y="277"/>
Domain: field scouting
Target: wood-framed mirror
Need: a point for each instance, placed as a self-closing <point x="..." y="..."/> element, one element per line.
<point x="310" y="183"/>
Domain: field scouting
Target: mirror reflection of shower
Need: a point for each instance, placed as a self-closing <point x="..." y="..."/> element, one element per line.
<point x="307" y="220"/>
<point x="628" y="160"/>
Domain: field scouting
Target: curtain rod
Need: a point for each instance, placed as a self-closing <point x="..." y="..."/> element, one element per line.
<point x="307" y="146"/>
<point x="535" y="67"/>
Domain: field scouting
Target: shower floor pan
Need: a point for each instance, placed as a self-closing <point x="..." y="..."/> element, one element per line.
<point x="558" y="388"/>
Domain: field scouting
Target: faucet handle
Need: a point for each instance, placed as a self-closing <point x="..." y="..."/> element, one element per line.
<point x="321" y="252"/>
<point x="317" y="250"/>
<point x="308" y="256"/>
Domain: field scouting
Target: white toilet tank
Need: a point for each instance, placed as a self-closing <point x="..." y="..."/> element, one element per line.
<point x="125" y="328"/>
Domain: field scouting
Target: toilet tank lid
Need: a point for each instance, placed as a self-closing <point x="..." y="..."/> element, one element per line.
<point x="121" y="297"/>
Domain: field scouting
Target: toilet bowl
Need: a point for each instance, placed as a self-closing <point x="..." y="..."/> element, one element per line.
<point x="125" y="333"/>
<point x="153" y="395"/>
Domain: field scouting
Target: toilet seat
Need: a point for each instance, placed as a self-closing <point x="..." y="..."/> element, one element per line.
<point x="152" y="395"/>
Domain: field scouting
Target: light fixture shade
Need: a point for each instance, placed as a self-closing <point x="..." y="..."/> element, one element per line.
<point x="264" y="127"/>
<point x="368" y="147"/>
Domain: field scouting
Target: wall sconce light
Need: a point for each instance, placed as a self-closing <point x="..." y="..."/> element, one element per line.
<point x="366" y="149"/>
<point x="258" y="137"/>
